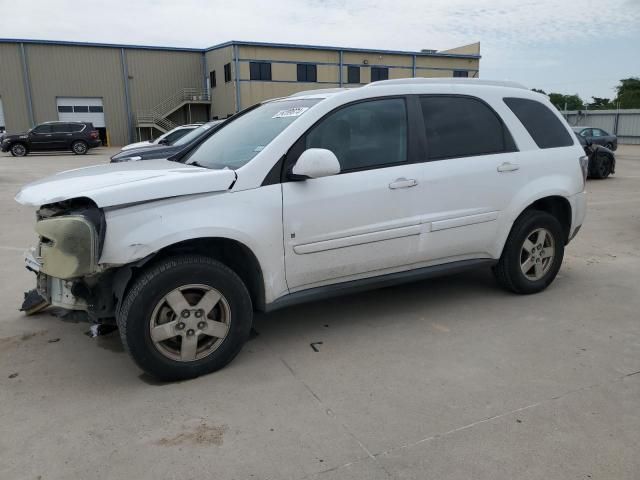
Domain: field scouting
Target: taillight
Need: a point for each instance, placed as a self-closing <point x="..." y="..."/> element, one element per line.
<point x="94" y="134"/>
<point x="584" y="165"/>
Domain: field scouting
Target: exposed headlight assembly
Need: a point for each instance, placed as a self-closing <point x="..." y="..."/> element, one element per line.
<point x="68" y="246"/>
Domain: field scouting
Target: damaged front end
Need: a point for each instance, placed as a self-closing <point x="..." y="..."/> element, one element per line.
<point x="71" y="235"/>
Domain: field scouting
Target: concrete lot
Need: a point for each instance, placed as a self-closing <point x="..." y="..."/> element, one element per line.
<point x="445" y="379"/>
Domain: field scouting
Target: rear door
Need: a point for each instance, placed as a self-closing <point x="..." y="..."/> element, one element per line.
<point x="61" y="136"/>
<point x="365" y="220"/>
<point x="472" y="170"/>
<point x="598" y="136"/>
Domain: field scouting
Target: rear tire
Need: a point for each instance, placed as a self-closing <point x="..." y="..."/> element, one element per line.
<point x="184" y="317"/>
<point x="19" y="150"/>
<point x="533" y="253"/>
<point x="79" y="147"/>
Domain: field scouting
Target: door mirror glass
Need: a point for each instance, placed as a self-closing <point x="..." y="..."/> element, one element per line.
<point x="315" y="163"/>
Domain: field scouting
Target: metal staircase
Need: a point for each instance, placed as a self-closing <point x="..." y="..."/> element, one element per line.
<point x="157" y="117"/>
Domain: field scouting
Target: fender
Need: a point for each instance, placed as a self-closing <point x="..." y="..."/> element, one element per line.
<point x="250" y="217"/>
<point x="547" y="186"/>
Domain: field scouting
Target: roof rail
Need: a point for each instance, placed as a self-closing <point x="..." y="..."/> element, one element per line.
<point x="449" y="80"/>
<point x="317" y="91"/>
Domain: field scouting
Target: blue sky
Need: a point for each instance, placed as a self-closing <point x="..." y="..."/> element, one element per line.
<point x="566" y="46"/>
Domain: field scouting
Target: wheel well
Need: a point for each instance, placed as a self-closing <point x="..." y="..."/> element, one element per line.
<point x="559" y="207"/>
<point x="235" y="255"/>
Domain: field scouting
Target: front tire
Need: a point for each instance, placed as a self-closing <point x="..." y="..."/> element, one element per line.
<point x="184" y="317"/>
<point x="18" y="150"/>
<point x="532" y="255"/>
<point x="79" y="147"/>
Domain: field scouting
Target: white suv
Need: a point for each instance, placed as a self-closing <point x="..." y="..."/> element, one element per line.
<point x="308" y="196"/>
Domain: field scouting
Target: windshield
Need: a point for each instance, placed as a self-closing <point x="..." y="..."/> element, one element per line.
<point x="235" y="144"/>
<point x="196" y="132"/>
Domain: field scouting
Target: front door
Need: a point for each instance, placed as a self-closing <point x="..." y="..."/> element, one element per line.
<point x="365" y="220"/>
<point x="41" y="138"/>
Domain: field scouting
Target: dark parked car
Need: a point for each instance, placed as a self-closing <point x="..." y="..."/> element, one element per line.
<point x="78" y="137"/>
<point x="602" y="161"/>
<point x="155" y="151"/>
<point x="598" y="136"/>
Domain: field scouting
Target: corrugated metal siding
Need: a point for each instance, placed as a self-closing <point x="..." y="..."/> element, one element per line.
<point x="158" y="75"/>
<point x="14" y="99"/>
<point x="628" y="124"/>
<point x="69" y="71"/>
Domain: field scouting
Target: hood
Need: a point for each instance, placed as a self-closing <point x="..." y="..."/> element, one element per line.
<point x="135" y="145"/>
<point x="15" y="136"/>
<point x="122" y="183"/>
<point x="146" y="152"/>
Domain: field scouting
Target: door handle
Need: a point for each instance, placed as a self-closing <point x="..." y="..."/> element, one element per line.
<point x="403" y="183"/>
<point x="508" y="167"/>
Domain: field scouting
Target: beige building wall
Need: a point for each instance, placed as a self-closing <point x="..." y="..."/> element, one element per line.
<point x="75" y="71"/>
<point x="284" y="71"/>
<point x="12" y="91"/>
<point x="155" y="75"/>
<point x="223" y="96"/>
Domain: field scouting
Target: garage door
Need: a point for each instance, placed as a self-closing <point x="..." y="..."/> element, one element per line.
<point x="2" y="124"/>
<point x="76" y="109"/>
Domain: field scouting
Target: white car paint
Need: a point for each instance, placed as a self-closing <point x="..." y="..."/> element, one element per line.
<point x="126" y="182"/>
<point x="146" y="143"/>
<point x="300" y="232"/>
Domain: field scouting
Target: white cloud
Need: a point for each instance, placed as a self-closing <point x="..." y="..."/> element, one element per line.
<point x="514" y="34"/>
<point x="399" y="24"/>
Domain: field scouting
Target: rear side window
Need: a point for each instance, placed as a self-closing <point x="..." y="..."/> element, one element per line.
<point x="459" y="126"/>
<point x="77" y="127"/>
<point x="542" y="124"/>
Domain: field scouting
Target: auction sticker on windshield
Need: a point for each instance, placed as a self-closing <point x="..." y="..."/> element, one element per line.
<point x="291" y="112"/>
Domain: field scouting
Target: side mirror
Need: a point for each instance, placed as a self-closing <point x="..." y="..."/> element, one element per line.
<point x="315" y="163"/>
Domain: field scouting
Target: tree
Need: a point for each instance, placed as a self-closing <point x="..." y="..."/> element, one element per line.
<point x="600" y="103"/>
<point x="628" y="93"/>
<point x="572" y="102"/>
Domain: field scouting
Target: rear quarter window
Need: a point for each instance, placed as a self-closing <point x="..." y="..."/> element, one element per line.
<point x="542" y="124"/>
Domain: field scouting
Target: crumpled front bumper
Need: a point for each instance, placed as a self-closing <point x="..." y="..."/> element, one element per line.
<point x="56" y="291"/>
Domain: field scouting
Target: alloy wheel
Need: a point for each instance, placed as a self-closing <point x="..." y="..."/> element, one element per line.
<point x="190" y="322"/>
<point x="537" y="254"/>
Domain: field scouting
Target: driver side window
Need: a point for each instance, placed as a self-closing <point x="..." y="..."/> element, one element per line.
<point x="364" y="135"/>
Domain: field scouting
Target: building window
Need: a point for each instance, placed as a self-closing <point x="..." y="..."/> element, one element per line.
<point x="379" y="73"/>
<point x="353" y="74"/>
<point x="65" y="108"/>
<point x="259" y="70"/>
<point x="81" y="108"/>
<point x="95" y="109"/>
<point x="460" y="73"/>
<point x="227" y="73"/>
<point x="307" y="72"/>
<point x="212" y="79"/>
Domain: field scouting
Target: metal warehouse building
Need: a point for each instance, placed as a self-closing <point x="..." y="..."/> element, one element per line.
<point x="134" y="92"/>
